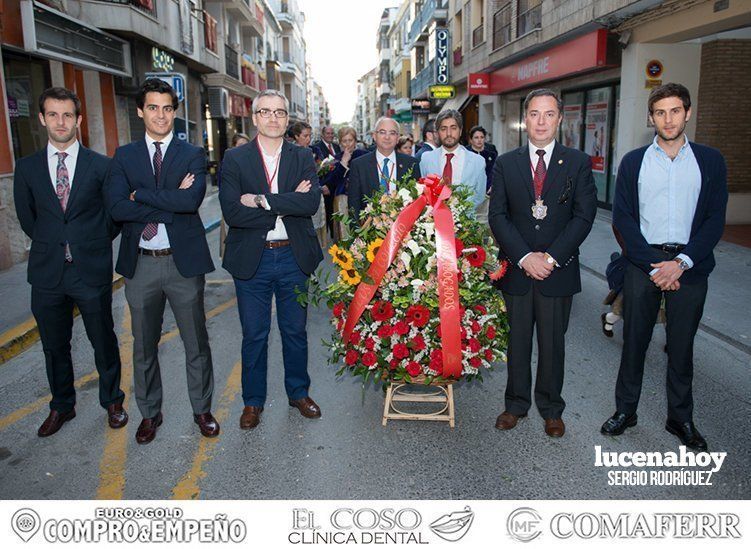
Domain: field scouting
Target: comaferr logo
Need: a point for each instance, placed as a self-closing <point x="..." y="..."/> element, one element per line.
<point x="641" y="525"/>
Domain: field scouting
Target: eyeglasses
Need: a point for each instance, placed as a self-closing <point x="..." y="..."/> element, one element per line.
<point x="266" y="113"/>
<point x="384" y="133"/>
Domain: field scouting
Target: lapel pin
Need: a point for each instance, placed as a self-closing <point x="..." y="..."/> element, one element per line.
<point x="560" y="161"/>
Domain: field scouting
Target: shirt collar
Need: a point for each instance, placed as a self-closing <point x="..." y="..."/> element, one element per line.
<point x="165" y="141"/>
<point x="274" y="154"/>
<point x="391" y="157"/>
<point x="685" y="145"/>
<point x="547" y="148"/>
<point x="72" y="150"/>
<point x="457" y="152"/>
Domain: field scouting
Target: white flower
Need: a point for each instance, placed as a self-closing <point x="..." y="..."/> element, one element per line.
<point x="405" y="258"/>
<point x="417" y="282"/>
<point x="414" y="247"/>
<point x="404" y="195"/>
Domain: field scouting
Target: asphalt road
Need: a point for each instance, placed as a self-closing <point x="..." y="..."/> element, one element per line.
<point x="347" y="454"/>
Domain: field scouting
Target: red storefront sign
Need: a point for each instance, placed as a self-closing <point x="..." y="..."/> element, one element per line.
<point x="579" y="55"/>
<point x="479" y="83"/>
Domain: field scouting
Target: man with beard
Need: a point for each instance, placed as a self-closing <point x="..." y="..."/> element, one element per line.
<point x="669" y="208"/>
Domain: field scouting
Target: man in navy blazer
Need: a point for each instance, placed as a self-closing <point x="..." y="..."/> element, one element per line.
<point x="269" y="194"/>
<point x="669" y="208"/>
<point x="155" y="188"/>
<point x="59" y="200"/>
<point x="429" y="140"/>
<point x="381" y="169"/>
<point x="325" y="147"/>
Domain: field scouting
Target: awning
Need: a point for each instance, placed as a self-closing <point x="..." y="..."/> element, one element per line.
<point x="459" y="102"/>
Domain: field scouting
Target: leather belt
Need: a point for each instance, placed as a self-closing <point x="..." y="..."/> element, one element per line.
<point x="155" y="253"/>
<point x="272" y="244"/>
<point x="669" y="247"/>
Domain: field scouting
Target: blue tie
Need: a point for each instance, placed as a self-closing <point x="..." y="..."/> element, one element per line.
<point x="385" y="175"/>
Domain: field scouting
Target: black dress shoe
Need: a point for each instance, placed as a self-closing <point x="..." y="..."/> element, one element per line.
<point x="618" y="423"/>
<point x="687" y="432"/>
<point x="607" y="327"/>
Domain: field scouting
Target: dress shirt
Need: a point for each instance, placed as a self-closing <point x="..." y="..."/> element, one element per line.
<point x="668" y="193"/>
<point x="533" y="159"/>
<point x="457" y="163"/>
<point x="70" y="162"/>
<point x="271" y="161"/>
<point x="329" y="148"/>
<point x="161" y="240"/>
<point x="392" y="168"/>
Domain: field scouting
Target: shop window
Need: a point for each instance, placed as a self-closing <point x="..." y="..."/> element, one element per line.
<point x="502" y="26"/>
<point x="25" y="80"/>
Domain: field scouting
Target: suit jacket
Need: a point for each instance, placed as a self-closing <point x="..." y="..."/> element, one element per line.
<point x="364" y="181"/>
<point x="85" y="225"/>
<point x="337" y="180"/>
<point x="176" y="208"/>
<point x="707" y="225"/>
<point x="425" y="147"/>
<point x="322" y="152"/>
<point x="489" y="155"/>
<point x="473" y="172"/>
<point x="246" y="238"/>
<point x="569" y="193"/>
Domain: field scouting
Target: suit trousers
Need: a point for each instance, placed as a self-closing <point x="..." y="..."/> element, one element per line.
<point x="53" y="311"/>
<point x="278" y="275"/>
<point x="550" y="315"/>
<point x="683" y="310"/>
<point x="155" y="282"/>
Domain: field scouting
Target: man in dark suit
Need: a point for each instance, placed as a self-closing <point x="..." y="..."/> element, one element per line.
<point x="325" y="146"/>
<point x="542" y="208"/>
<point x="429" y="140"/>
<point x="60" y="204"/>
<point x="669" y="208"/>
<point x="269" y="194"/>
<point x="155" y="188"/>
<point x="381" y="169"/>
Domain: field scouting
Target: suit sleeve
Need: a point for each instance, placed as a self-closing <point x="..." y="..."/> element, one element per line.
<point x="508" y="236"/>
<point x="584" y="209"/>
<point x="121" y="207"/>
<point x="234" y="212"/>
<point x="354" y="193"/>
<point x="24" y="201"/>
<point x="299" y="204"/>
<point x="179" y="200"/>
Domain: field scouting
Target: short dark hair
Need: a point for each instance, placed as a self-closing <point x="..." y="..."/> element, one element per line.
<point x="445" y="115"/>
<point x="429" y="127"/>
<point x="237" y="137"/>
<point x="477" y="129"/>
<point x="297" y="128"/>
<point x="158" y="86"/>
<point x="543" y="92"/>
<point x="669" y="90"/>
<point x="61" y="94"/>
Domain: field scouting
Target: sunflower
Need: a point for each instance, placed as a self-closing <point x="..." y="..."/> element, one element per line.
<point x="350" y="276"/>
<point x="373" y="248"/>
<point x="341" y="257"/>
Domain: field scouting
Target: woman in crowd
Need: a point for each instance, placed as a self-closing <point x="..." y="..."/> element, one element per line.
<point x="477" y="145"/>
<point x="405" y="145"/>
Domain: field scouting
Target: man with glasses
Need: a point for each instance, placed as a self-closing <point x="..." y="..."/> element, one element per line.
<point x="269" y="194"/>
<point x="379" y="170"/>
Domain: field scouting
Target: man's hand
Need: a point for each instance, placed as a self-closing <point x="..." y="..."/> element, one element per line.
<point x="667" y="275"/>
<point x="248" y="200"/>
<point x="536" y="266"/>
<point x="303" y="187"/>
<point x="325" y="190"/>
<point x="133" y="196"/>
<point x="187" y="181"/>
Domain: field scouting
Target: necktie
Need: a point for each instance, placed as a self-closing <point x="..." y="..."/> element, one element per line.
<point x="331" y="149"/>
<point x="151" y="229"/>
<point x="448" y="170"/>
<point x="385" y="175"/>
<point x="540" y="173"/>
<point x="62" y="188"/>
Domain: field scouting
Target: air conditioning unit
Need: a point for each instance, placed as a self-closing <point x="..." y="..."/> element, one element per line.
<point x="218" y="103"/>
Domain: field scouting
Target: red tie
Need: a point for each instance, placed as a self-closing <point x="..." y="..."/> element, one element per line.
<point x="331" y="149"/>
<point x="448" y="171"/>
<point x="540" y="173"/>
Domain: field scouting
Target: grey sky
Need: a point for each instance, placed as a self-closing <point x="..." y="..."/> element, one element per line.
<point x="341" y="43"/>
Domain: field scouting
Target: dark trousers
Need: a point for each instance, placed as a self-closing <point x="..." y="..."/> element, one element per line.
<point x="278" y="275"/>
<point x="683" y="310"/>
<point x="550" y="315"/>
<point x="328" y="204"/>
<point x="53" y="311"/>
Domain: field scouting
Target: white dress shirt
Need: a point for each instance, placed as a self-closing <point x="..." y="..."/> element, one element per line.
<point x="161" y="239"/>
<point x="391" y="176"/>
<point x="271" y="161"/>
<point x="70" y="162"/>
<point x="457" y="163"/>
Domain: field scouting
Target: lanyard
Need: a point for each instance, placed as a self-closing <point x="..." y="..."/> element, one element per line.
<point x="390" y="175"/>
<point x="269" y="180"/>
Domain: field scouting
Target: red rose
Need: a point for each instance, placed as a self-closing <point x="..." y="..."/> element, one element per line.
<point x="488" y="355"/>
<point x="385" y="331"/>
<point x="490" y="332"/>
<point x="459" y="247"/>
<point x="369" y="358"/>
<point x="351" y="357"/>
<point x="475" y="362"/>
<point x="476" y="328"/>
<point x="401" y="351"/>
<point x="418" y="342"/>
<point x="477" y="258"/>
<point x="382" y="311"/>
<point x="354" y="339"/>
<point x="340" y="325"/>
<point x="418" y="315"/>
<point x="394" y="364"/>
<point x="338" y="309"/>
<point x="481" y="309"/>
<point x="414" y="369"/>
<point x="436" y="361"/>
<point x="438" y="331"/>
<point x="474" y="345"/>
<point x="401" y="328"/>
<point x="463" y="332"/>
<point x="370" y="344"/>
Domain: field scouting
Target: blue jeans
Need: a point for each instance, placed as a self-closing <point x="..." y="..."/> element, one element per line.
<point x="278" y="274"/>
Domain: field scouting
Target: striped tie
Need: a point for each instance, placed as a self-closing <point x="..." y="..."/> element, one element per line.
<point x="151" y="229"/>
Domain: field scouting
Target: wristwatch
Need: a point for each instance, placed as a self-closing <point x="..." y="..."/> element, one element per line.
<point x="682" y="263"/>
<point x="259" y="200"/>
<point x="550" y="259"/>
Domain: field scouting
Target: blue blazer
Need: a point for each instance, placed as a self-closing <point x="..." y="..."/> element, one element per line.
<point x="709" y="218"/>
<point x="473" y="172"/>
<point x="132" y="170"/>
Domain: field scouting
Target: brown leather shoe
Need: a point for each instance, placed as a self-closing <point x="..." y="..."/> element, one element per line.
<point x="251" y="417"/>
<point x="117" y="417"/>
<point x="554" y="427"/>
<point x="307" y="407"/>
<point x="147" y="429"/>
<point x="207" y="424"/>
<point x="54" y="421"/>
<point x="507" y="421"/>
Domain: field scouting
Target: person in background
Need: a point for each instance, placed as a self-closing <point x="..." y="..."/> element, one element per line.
<point x="325" y="146"/>
<point x="301" y="133"/>
<point x="430" y="140"/>
<point x="477" y="137"/>
<point x="405" y="145"/>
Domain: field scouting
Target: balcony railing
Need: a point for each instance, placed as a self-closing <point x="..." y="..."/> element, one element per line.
<point x="426" y="14"/>
<point x="422" y="80"/>
<point x="209" y="32"/>
<point x="147" y="6"/>
<point x="231" y="62"/>
<point x="530" y="16"/>
<point x="458" y="56"/>
<point x="502" y="27"/>
<point x="478" y="34"/>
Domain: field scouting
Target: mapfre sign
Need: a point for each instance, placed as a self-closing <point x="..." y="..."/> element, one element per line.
<point x="479" y="83"/>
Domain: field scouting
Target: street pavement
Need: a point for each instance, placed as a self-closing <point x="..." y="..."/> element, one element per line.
<point x="347" y="454"/>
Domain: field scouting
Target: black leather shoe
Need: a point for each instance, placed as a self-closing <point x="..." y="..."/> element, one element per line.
<point x="687" y="432"/>
<point x="607" y="327"/>
<point x="617" y="424"/>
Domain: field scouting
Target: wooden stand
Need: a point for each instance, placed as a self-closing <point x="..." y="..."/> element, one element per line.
<point x="437" y="392"/>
